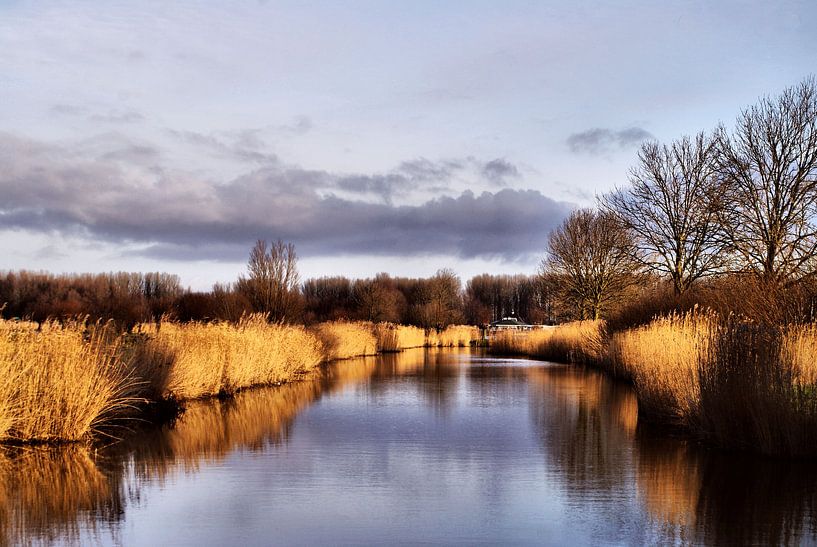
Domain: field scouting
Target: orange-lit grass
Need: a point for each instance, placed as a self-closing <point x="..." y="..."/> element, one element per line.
<point x="576" y="342"/>
<point x="737" y="383"/>
<point x="344" y="340"/>
<point x="663" y="360"/>
<point x="392" y="337"/>
<point x="61" y="383"/>
<point x="453" y="336"/>
<point x="197" y="360"/>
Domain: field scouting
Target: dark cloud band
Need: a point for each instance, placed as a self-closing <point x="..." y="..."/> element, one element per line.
<point x="600" y="140"/>
<point x="177" y="216"/>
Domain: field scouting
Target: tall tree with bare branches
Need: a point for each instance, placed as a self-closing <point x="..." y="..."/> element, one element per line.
<point x="769" y="164"/>
<point x="672" y="207"/>
<point x="272" y="281"/>
<point x="592" y="254"/>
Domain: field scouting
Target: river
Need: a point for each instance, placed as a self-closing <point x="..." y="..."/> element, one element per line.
<point x="425" y="446"/>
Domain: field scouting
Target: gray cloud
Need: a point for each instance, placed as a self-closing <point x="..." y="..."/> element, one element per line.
<point x="299" y="126"/>
<point x="245" y="145"/>
<point x="117" y="116"/>
<point x="409" y="176"/>
<point x="178" y="216"/>
<point x="601" y="140"/>
<point x="498" y="170"/>
<point x="67" y="110"/>
<point x="110" y="115"/>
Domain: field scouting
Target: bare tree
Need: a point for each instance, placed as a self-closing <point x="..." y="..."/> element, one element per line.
<point x="272" y="282"/>
<point x="672" y="208"/>
<point x="442" y="302"/>
<point x="769" y="164"/>
<point x="378" y="299"/>
<point x="592" y="254"/>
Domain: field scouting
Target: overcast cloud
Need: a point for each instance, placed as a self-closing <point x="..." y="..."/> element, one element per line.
<point x="601" y="141"/>
<point x="157" y="134"/>
<point x="49" y="188"/>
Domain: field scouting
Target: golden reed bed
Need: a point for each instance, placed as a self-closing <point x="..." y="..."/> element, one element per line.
<point x="732" y="382"/>
<point x="575" y="342"/>
<point x="64" y="382"/>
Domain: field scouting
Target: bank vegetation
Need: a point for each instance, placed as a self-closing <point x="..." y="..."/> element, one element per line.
<point x="75" y="380"/>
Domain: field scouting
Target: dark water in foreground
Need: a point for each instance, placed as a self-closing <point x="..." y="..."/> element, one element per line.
<point x="420" y="447"/>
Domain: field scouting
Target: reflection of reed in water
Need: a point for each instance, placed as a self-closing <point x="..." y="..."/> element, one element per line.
<point x="49" y="494"/>
<point x="668" y="480"/>
<point x="407" y="362"/>
<point x="714" y="497"/>
<point x="587" y="425"/>
<point x="433" y="373"/>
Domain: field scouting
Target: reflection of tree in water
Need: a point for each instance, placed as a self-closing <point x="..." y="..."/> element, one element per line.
<point x="691" y="494"/>
<point x="496" y="385"/>
<point x="587" y="425"/>
<point x="434" y="373"/>
<point x="716" y="497"/>
<point x="48" y="494"/>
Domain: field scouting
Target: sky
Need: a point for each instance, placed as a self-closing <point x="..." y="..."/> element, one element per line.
<point x="398" y="137"/>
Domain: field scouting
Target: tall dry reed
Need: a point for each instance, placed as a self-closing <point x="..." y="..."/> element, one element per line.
<point x="662" y="359"/>
<point x="453" y="336"/>
<point x="576" y="342"/>
<point x="343" y="340"/>
<point x="194" y="360"/>
<point x="736" y="383"/>
<point x="392" y="337"/>
<point x="62" y="382"/>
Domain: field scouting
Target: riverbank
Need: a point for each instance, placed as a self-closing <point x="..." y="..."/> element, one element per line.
<point x="73" y="381"/>
<point x="731" y="383"/>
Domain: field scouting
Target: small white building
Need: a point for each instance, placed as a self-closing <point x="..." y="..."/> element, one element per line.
<point x="508" y="323"/>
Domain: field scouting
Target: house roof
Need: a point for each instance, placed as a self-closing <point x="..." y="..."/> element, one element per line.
<point x="509" y="321"/>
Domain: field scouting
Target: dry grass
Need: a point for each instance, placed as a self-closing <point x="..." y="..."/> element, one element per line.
<point x="800" y="349"/>
<point x="48" y="494"/>
<point x="576" y="342"/>
<point x="64" y="382"/>
<point x="392" y="337"/>
<point x="344" y="340"/>
<point x="60" y="383"/>
<point x="453" y="336"/>
<point x="738" y="384"/>
<point x="199" y="360"/>
<point x="662" y="359"/>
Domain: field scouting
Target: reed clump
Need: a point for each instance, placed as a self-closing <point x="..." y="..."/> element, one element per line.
<point x="392" y="337"/>
<point x="736" y="383"/>
<point x="663" y="359"/>
<point x="62" y="382"/>
<point x="65" y="381"/>
<point x="188" y="361"/>
<point x="453" y="336"/>
<point x="575" y="342"/>
<point x="344" y="340"/>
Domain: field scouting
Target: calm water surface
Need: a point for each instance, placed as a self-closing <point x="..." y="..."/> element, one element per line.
<point x="419" y="447"/>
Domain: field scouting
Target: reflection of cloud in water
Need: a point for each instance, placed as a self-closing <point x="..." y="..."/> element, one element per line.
<point x="412" y="442"/>
<point x="50" y="493"/>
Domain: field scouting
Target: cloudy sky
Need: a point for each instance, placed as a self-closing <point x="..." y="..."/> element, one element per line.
<point x="377" y="136"/>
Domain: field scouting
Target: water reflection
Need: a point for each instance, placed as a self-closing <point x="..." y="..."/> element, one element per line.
<point x="715" y="497"/>
<point x="586" y="424"/>
<point x="418" y="446"/>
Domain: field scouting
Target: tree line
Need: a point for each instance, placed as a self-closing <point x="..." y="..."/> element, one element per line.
<point x="725" y="210"/>
<point x="272" y="286"/>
